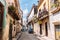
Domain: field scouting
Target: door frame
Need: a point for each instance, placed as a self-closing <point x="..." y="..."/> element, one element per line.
<point x="10" y="30"/>
<point x="55" y="23"/>
<point x="2" y="16"/>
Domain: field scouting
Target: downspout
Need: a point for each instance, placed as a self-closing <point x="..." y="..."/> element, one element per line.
<point x="4" y="18"/>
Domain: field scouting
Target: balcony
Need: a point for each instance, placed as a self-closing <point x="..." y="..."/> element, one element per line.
<point x="13" y="12"/>
<point x="43" y="14"/>
<point x="55" y="7"/>
<point x="35" y="18"/>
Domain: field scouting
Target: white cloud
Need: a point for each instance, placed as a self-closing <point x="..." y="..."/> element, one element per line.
<point x="24" y="21"/>
<point x="25" y="12"/>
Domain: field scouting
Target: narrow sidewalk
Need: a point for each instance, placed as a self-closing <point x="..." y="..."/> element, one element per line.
<point x="17" y="36"/>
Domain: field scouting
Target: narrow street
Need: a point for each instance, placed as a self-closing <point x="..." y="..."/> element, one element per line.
<point x="27" y="36"/>
<point x="29" y="19"/>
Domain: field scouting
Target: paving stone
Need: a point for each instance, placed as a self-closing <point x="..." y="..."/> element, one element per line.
<point x="27" y="36"/>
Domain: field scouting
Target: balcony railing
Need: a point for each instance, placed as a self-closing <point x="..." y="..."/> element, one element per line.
<point x="43" y="14"/>
<point x="12" y="12"/>
<point x="55" y="5"/>
<point x="35" y="18"/>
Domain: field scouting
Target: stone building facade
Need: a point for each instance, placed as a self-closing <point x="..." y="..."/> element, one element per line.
<point x="10" y="15"/>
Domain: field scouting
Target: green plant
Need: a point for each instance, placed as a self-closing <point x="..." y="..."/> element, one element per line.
<point x="11" y="8"/>
<point x="56" y="4"/>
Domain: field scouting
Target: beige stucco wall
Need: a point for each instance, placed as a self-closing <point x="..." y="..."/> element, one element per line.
<point x="8" y="18"/>
<point x="9" y="2"/>
<point x="42" y="5"/>
<point x="36" y="28"/>
<point x="43" y="25"/>
<point x="54" y="19"/>
<point x="18" y="28"/>
<point x="43" y="36"/>
<point x="6" y="29"/>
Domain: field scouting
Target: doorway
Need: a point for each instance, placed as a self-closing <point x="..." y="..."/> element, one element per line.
<point x="57" y="32"/>
<point x="10" y="31"/>
<point x="41" y="29"/>
<point x="46" y="29"/>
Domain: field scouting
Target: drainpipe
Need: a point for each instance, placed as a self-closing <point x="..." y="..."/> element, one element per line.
<point x="4" y="20"/>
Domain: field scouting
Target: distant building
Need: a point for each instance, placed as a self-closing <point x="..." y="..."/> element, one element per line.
<point x="30" y="17"/>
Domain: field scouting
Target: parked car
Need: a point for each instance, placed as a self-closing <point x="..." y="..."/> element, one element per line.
<point x="22" y="30"/>
<point x="30" y="31"/>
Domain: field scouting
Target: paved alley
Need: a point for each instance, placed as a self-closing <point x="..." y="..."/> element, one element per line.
<point x="27" y="36"/>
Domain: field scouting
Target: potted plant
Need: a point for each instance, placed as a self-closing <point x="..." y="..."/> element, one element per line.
<point x="56" y="4"/>
<point x="11" y="9"/>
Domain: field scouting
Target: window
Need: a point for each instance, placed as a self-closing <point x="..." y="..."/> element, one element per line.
<point x="57" y="32"/>
<point x="14" y="22"/>
<point x="39" y="13"/>
<point x="35" y="9"/>
<point x="14" y="28"/>
<point x="40" y="28"/>
<point x="46" y="29"/>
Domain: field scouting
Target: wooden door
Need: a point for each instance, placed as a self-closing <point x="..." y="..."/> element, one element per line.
<point x="57" y="32"/>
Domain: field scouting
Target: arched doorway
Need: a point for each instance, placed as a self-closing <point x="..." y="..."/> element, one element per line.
<point x="1" y="19"/>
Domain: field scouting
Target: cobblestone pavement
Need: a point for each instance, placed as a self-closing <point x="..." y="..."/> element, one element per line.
<point x="27" y="36"/>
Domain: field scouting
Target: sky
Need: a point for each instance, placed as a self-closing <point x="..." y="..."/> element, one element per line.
<point x="26" y="6"/>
